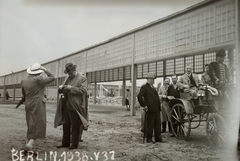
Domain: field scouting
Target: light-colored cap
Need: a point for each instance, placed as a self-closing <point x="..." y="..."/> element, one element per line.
<point x="35" y="69"/>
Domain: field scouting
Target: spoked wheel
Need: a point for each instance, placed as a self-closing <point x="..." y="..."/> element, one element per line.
<point x="216" y="130"/>
<point x="180" y="122"/>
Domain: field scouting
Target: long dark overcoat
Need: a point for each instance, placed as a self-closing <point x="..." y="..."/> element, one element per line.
<point x="35" y="104"/>
<point x="77" y="97"/>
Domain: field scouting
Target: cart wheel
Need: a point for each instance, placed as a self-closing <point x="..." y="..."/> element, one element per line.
<point x="216" y="130"/>
<point x="180" y="122"/>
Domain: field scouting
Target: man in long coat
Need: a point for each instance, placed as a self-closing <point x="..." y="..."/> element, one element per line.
<point x="149" y="99"/>
<point x="71" y="111"/>
<point x="33" y="92"/>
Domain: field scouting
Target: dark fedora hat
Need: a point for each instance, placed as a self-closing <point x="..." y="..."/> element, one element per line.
<point x="151" y="75"/>
<point x="221" y="53"/>
<point x="69" y="67"/>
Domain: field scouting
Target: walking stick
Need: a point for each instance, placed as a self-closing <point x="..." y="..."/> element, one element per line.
<point x="145" y="125"/>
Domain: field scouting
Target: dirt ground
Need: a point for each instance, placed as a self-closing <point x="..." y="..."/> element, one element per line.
<point x="112" y="135"/>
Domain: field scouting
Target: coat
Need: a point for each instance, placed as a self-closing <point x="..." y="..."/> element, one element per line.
<point x="35" y="104"/>
<point x="173" y="91"/>
<point x="77" y="100"/>
<point x="184" y="80"/>
<point x="148" y="96"/>
<point x="214" y="72"/>
<point x="165" y="110"/>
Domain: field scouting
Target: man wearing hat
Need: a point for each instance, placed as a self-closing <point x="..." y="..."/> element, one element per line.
<point x="33" y="93"/>
<point x="149" y="99"/>
<point x="72" y="107"/>
<point x="218" y="71"/>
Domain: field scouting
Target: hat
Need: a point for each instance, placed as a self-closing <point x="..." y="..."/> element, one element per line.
<point x="151" y="75"/>
<point x="174" y="76"/>
<point x="69" y="67"/>
<point x="221" y="53"/>
<point x="35" y="69"/>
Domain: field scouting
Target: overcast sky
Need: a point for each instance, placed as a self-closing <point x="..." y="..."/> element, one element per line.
<point x="44" y="30"/>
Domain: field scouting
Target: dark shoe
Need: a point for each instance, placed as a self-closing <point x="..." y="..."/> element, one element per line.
<point x="80" y="140"/>
<point x="160" y="140"/>
<point x="149" y="140"/>
<point x="26" y="150"/>
<point x="72" y="147"/>
<point x="172" y="135"/>
<point x="62" y="146"/>
<point x="163" y="131"/>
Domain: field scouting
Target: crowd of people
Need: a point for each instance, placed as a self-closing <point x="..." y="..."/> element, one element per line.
<point x="216" y="77"/>
<point x="72" y="111"/>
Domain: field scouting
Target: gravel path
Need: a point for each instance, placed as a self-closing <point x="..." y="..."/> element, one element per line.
<point x="112" y="135"/>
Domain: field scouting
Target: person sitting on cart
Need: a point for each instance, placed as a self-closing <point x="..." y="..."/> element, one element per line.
<point x="189" y="82"/>
<point x="173" y="89"/>
<point x="205" y="77"/>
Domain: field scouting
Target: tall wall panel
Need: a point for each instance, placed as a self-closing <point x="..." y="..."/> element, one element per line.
<point x="140" y="45"/>
<point x="225" y="22"/>
<point x="183" y="34"/>
<point x="166" y="39"/>
<point x="152" y="42"/>
<point x="203" y="28"/>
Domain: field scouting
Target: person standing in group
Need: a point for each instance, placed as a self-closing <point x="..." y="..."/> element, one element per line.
<point x="218" y="71"/>
<point x="35" y="103"/>
<point x="206" y="79"/>
<point x="128" y="99"/>
<point x="72" y="110"/>
<point x="149" y="99"/>
<point x="165" y="110"/>
<point x="173" y="91"/>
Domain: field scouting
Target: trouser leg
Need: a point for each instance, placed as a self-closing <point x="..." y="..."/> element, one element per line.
<point x="157" y="127"/>
<point x="81" y="132"/>
<point x="169" y="127"/>
<point x="75" y="122"/>
<point x="66" y="128"/>
<point x="149" y="124"/>
<point x="164" y="124"/>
